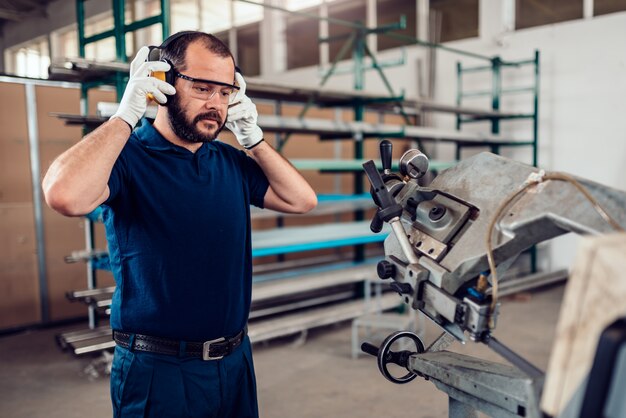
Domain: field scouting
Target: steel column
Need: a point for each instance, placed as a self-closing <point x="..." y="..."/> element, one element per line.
<point x="496" y="92"/>
<point x="33" y="142"/>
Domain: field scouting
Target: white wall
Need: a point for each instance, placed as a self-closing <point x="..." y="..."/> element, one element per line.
<point x="582" y="99"/>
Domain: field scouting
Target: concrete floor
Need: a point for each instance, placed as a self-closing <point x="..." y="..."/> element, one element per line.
<point x="317" y="378"/>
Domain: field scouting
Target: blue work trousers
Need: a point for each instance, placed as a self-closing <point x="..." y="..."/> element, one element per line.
<point x="156" y="385"/>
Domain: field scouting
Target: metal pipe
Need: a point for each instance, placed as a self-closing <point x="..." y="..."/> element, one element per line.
<point x="477" y="69"/>
<point x="403" y="240"/>
<point x="459" y="95"/>
<point x="91" y="271"/>
<point x="165" y="16"/>
<point x="514" y="358"/>
<point x="38" y="82"/>
<point x="533" y="251"/>
<point x="496" y="93"/>
<point x="476" y="94"/>
<point x="536" y="110"/>
<point x="80" y="20"/>
<point x="118" y="30"/>
<point x="33" y="142"/>
<point x="516" y="90"/>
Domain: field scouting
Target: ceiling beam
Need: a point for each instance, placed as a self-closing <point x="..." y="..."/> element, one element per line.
<point x="30" y="8"/>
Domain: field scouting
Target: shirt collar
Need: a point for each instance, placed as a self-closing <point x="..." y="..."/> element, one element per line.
<point x="151" y="139"/>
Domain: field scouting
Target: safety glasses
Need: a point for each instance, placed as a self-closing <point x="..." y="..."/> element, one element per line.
<point x="206" y="89"/>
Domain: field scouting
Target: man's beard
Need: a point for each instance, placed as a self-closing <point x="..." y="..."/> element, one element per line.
<point x="188" y="131"/>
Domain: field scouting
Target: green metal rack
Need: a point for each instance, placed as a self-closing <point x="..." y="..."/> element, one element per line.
<point x="119" y="31"/>
<point x="356" y="42"/>
<point x="497" y="65"/>
<point x="119" y="80"/>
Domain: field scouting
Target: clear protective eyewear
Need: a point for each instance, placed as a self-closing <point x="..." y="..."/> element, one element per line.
<point x="199" y="88"/>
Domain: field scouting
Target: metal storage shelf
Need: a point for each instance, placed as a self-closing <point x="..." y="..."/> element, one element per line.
<point x="331" y="129"/>
<point x="293" y="239"/>
<point x="307" y="238"/>
<point x="334" y="166"/>
<point x="99" y="339"/>
<point x="81" y="70"/>
<point x="333" y="286"/>
<point x="296" y="239"/>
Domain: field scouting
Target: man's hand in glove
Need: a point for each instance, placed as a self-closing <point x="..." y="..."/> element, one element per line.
<point x="242" y="117"/>
<point x="133" y="104"/>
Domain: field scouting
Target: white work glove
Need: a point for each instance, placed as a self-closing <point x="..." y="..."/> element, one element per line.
<point x="133" y="104"/>
<point x="242" y="117"/>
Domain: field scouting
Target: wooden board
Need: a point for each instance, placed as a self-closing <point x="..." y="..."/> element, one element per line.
<point x="19" y="282"/>
<point x="15" y="178"/>
<point x="594" y="298"/>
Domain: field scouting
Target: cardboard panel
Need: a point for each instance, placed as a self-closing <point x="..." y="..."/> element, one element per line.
<point x="322" y="149"/>
<point x="15" y="178"/>
<point x="19" y="286"/>
<point x="94" y="96"/>
<point x="62" y="235"/>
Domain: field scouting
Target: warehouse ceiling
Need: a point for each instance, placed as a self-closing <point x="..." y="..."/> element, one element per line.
<point x="20" y="10"/>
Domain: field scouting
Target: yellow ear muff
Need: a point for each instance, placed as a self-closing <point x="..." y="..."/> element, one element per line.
<point x="159" y="75"/>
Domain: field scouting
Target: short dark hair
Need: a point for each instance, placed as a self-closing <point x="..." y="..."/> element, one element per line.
<point x="175" y="50"/>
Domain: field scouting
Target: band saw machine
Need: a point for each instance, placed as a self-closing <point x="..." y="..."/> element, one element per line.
<point x="449" y="244"/>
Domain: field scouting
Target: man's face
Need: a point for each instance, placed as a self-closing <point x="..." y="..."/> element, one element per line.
<point x="200" y="120"/>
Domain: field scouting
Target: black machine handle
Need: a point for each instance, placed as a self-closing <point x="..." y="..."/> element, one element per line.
<point x="389" y="208"/>
<point x="377" y="223"/>
<point x="370" y="349"/>
<point x="378" y="185"/>
<point x="386" y="149"/>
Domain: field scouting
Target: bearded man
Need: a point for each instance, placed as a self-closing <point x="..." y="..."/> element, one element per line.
<point x="176" y="207"/>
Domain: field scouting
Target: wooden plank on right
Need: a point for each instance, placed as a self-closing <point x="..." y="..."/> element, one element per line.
<point x="594" y="298"/>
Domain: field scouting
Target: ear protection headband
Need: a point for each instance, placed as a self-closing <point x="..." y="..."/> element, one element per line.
<point x="156" y="55"/>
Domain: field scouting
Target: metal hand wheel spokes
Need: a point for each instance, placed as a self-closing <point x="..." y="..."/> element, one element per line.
<point x="386" y="356"/>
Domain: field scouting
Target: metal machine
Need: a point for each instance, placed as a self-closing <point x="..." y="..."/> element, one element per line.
<point x="450" y="242"/>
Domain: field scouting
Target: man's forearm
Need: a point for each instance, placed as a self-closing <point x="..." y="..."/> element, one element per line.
<point x="289" y="191"/>
<point x="76" y="182"/>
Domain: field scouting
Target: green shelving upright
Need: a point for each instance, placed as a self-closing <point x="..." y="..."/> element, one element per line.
<point x="119" y="80"/>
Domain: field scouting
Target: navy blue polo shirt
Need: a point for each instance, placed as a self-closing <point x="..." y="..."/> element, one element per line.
<point x="178" y="229"/>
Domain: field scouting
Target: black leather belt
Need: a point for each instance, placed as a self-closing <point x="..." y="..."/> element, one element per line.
<point x="207" y="350"/>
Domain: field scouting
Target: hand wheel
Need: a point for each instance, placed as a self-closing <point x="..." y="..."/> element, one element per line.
<point x="385" y="356"/>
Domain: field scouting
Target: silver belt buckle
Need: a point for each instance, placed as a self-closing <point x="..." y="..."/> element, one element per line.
<point x="207" y="346"/>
